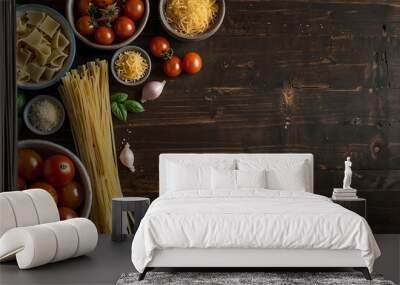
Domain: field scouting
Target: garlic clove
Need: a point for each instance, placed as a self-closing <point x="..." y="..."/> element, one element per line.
<point x="127" y="157"/>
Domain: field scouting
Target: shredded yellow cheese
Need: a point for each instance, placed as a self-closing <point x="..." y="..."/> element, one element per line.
<point x="191" y="17"/>
<point x="131" y="66"/>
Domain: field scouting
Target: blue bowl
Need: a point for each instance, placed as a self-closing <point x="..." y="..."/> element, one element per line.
<point x="67" y="32"/>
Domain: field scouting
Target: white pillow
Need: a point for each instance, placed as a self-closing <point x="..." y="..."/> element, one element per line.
<point x="188" y="177"/>
<point x="285" y="174"/>
<point x="251" y="178"/>
<point x="223" y="179"/>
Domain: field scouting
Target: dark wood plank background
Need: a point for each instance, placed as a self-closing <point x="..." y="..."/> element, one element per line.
<point x="280" y="76"/>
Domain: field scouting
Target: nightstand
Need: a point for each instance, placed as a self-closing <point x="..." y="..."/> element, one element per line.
<point x="357" y="205"/>
<point x="138" y="205"/>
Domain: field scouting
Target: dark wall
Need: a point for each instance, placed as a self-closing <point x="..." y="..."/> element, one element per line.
<point x="8" y="123"/>
<point x="282" y="76"/>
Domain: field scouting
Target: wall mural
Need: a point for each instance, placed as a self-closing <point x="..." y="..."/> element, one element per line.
<point x="314" y="77"/>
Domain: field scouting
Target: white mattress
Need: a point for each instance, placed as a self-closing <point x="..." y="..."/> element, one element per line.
<point x="253" y="219"/>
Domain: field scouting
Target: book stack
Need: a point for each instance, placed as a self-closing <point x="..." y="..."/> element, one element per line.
<point x="344" y="194"/>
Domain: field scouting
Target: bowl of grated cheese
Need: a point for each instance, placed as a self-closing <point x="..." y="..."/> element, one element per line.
<point x="131" y="65"/>
<point x="191" y="20"/>
<point x="44" y="115"/>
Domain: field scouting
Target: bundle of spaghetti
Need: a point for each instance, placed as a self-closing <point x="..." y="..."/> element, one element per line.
<point x="85" y="93"/>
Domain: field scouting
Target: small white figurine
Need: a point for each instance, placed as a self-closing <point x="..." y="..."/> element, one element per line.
<point x="347" y="174"/>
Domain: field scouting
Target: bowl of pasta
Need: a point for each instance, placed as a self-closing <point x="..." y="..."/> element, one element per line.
<point x="191" y="20"/>
<point x="45" y="47"/>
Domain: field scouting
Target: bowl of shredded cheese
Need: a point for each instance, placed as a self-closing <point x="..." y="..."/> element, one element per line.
<point x="131" y="65"/>
<point x="44" y="115"/>
<point x="191" y="20"/>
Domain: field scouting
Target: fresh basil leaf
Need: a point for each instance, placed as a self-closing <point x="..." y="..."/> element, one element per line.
<point x="119" y="97"/>
<point x="124" y="112"/>
<point x="133" y="106"/>
<point x="116" y="111"/>
<point x="21" y="100"/>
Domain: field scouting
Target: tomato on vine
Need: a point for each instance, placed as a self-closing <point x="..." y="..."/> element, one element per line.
<point x="192" y="62"/>
<point x="83" y="7"/>
<point x="103" y="3"/>
<point x="84" y="26"/>
<point x="124" y="27"/>
<point x="104" y="35"/>
<point x="173" y="66"/>
<point x="134" y="9"/>
<point x="160" y="47"/>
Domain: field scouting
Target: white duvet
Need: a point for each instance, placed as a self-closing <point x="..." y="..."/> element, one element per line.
<point x="250" y="219"/>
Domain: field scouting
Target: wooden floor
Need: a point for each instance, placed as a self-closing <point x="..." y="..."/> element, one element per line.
<point x="110" y="260"/>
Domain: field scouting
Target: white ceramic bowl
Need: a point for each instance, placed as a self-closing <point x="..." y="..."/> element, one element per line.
<point x="47" y="148"/>
<point x="67" y="32"/>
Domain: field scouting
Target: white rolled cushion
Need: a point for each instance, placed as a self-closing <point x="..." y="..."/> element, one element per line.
<point x="23" y="208"/>
<point x="188" y="177"/>
<point x="37" y="245"/>
<point x="223" y="179"/>
<point x="45" y="205"/>
<point x="87" y="235"/>
<point x="7" y="218"/>
<point x="251" y="178"/>
<point x="33" y="246"/>
<point x="66" y="238"/>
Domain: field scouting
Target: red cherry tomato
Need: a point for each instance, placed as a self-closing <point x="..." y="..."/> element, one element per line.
<point x="83" y="7"/>
<point x="21" y="184"/>
<point x="159" y="46"/>
<point x="103" y="3"/>
<point x="84" y="26"/>
<point x="173" y="66"/>
<point x="104" y="35"/>
<point x="134" y="9"/>
<point x="124" y="27"/>
<point x="30" y="164"/>
<point x="47" y="187"/>
<point x="71" y="195"/>
<point x="192" y="62"/>
<point x="58" y="170"/>
<point x="66" y="213"/>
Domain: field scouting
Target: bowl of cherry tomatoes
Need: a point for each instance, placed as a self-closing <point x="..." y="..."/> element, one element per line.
<point x="107" y="24"/>
<point x="52" y="167"/>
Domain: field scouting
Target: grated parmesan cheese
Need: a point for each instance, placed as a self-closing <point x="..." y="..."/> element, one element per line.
<point x="191" y="17"/>
<point x="45" y="115"/>
<point x="131" y="66"/>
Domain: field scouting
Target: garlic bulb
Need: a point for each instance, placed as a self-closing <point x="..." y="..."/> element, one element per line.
<point x="152" y="90"/>
<point x="127" y="158"/>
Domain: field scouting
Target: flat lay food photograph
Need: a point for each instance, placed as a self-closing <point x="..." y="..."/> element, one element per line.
<point x="199" y="142"/>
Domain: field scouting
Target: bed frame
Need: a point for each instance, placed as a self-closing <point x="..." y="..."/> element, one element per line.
<point x="250" y="259"/>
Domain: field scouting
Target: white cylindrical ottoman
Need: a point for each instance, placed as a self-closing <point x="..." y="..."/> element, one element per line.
<point x="40" y="244"/>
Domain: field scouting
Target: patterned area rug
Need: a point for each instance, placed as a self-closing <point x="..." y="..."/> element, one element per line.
<point x="253" y="278"/>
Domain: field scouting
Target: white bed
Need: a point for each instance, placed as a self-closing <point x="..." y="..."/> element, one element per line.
<point x="280" y="225"/>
